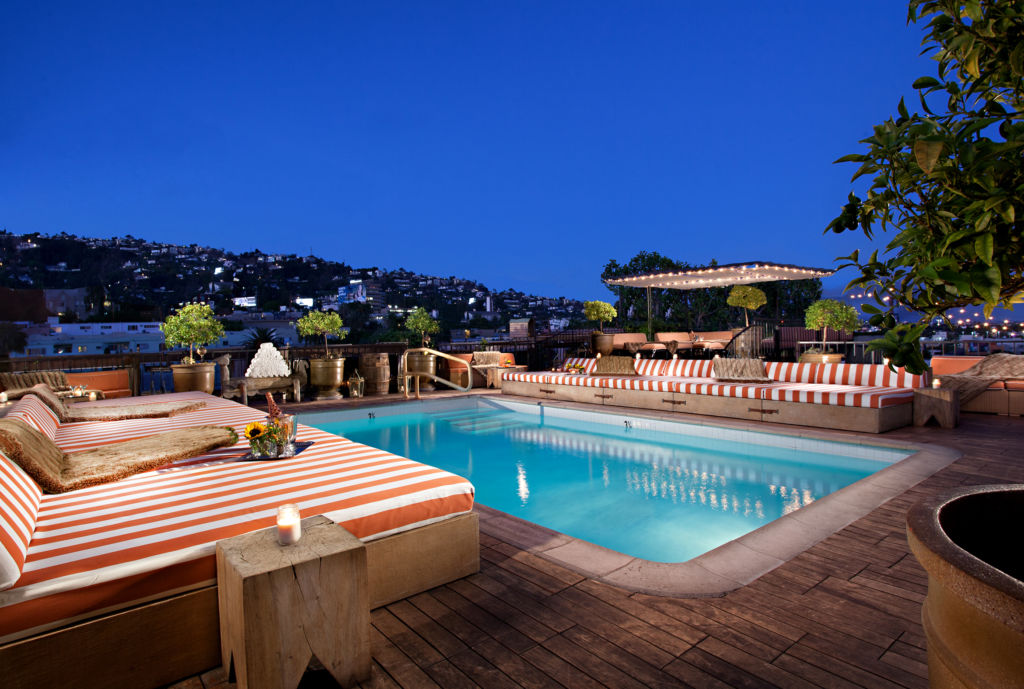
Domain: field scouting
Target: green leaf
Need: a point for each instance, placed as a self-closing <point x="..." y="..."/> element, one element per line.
<point x="926" y="82"/>
<point x="983" y="246"/>
<point x="927" y="154"/>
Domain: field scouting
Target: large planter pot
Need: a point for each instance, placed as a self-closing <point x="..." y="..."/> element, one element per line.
<point x="968" y="540"/>
<point x="817" y="358"/>
<point x="327" y="376"/>
<point x="194" y="377"/>
<point x="422" y="363"/>
<point x="602" y="344"/>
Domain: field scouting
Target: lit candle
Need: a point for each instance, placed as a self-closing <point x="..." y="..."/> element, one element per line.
<point x="598" y="355"/>
<point x="3" y="397"/>
<point x="92" y="396"/>
<point x="936" y="383"/>
<point x="289" y="524"/>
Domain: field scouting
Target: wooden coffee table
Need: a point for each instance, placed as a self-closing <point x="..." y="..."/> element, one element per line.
<point x="942" y="403"/>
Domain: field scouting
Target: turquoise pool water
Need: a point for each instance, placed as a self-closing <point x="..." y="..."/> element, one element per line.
<point x="661" y="491"/>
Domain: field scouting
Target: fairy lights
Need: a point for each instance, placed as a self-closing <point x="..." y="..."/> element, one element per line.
<point x="720" y="276"/>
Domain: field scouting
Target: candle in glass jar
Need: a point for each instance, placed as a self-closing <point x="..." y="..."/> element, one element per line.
<point x="92" y="396"/>
<point x="3" y="398"/>
<point x="936" y="383"/>
<point x="289" y="524"/>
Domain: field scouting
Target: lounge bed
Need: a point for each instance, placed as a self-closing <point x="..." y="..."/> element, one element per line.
<point x="115" y="585"/>
<point x="858" y="397"/>
<point x="1002" y="396"/>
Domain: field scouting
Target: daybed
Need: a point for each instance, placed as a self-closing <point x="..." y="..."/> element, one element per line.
<point x="480" y="362"/>
<point x="1002" y="396"/>
<point x="857" y="397"/>
<point x="115" y="586"/>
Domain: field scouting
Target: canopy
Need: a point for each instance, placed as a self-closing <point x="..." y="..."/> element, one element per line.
<point x="717" y="276"/>
<point x="721" y="276"/>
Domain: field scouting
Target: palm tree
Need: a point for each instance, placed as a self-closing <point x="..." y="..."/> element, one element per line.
<point x="258" y="336"/>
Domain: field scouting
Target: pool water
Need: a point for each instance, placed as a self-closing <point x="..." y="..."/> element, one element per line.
<point x="657" y="490"/>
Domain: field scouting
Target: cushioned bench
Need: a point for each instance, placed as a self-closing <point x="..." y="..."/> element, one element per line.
<point x="113" y="384"/>
<point x="1002" y="397"/>
<point x="109" y="564"/>
<point x="859" y="397"/>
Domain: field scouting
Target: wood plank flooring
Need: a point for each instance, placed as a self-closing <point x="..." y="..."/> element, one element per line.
<point x="843" y="614"/>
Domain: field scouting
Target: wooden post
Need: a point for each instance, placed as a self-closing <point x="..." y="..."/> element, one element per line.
<point x="942" y="403"/>
<point x="281" y="606"/>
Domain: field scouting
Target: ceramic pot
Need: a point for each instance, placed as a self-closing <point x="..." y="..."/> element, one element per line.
<point x="194" y="377"/>
<point x="968" y="542"/>
<point x="602" y="344"/>
<point x="421" y="363"/>
<point x="327" y="375"/>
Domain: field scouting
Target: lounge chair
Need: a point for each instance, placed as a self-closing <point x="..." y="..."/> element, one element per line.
<point x="73" y="414"/>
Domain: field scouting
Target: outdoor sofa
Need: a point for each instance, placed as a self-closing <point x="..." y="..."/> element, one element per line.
<point x="1002" y="396"/>
<point x="115" y="585"/>
<point x="856" y="397"/>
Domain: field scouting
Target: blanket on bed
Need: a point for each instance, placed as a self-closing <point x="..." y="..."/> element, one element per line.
<point x="978" y="378"/>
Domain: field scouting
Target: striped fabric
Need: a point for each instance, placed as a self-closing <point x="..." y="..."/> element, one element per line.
<point x="787" y="372"/>
<point x="32" y="411"/>
<point x="689" y="368"/>
<point x="104" y="547"/>
<point x="651" y="367"/>
<point x="717" y="389"/>
<point x="19" y="505"/>
<point x="651" y="383"/>
<point x="548" y="378"/>
<point x="873" y="397"/>
<point x="868" y="374"/>
<point x="588" y="364"/>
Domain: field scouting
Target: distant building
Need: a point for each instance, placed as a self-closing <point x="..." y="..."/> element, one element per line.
<point x="67" y="301"/>
<point x="92" y="338"/>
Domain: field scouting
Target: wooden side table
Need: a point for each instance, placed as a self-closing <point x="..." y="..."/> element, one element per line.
<point x="281" y="606"/>
<point x="942" y="403"/>
<point x="494" y="374"/>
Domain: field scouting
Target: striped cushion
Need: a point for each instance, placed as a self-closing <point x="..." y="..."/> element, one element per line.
<point x="870" y="396"/>
<point x="651" y="367"/>
<point x="689" y="368"/>
<point x="32" y="411"/>
<point x="19" y="505"/>
<point x="548" y="378"/>
<point x="786" y="372"/>
<point x="588" y="364"/>
<point x="653" y="383"/>
<point x="868" y="374"/>
<point x="712" y="387"/>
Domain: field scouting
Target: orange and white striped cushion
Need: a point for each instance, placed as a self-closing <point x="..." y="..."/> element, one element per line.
<point x="689" y="368"/>
<point x="788" y="372"/>
<point x="873" y="397"/>
<point x="651" y="383"/>
<point x="710" y="386"/>
<point x="588" y="364"/>
<point x="868" y="374"/>
<point x="19" y="505"/>
<point x="549" y="378"/>
<point x="32" y="411"/>
<point x="651" y="367"/>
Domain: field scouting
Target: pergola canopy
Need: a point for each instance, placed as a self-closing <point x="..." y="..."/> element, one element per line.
<point x="721" y="276"/>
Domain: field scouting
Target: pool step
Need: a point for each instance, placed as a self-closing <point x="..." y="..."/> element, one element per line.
<point x="463" y="414"/>
<point x="486" y="426"/>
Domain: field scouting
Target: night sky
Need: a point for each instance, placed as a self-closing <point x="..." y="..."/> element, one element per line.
<point x="523" y="144"/>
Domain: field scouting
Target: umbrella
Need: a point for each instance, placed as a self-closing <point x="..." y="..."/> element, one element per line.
<point x="717" y="276"/>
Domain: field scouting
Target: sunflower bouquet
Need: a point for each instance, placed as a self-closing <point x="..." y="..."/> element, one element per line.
<point x="266" y="439"/>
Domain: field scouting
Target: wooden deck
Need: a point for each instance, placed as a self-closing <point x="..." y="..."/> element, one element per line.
<point x="843" y="614"/>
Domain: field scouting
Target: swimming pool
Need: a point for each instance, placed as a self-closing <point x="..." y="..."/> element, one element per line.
<point x="662" y="491"/>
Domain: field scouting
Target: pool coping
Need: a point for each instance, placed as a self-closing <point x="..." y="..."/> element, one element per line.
<point x="740" y="561"/>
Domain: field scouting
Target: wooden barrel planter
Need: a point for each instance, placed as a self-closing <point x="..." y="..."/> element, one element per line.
<point x="376" y="369"/>
<point x="422" y="363"/>
<point x="968" y="542"/>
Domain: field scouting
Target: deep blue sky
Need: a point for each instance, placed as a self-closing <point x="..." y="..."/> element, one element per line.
<point x="523" y="144"/>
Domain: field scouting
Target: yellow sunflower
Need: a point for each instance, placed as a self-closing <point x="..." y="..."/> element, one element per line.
<point x="255" y="430"/>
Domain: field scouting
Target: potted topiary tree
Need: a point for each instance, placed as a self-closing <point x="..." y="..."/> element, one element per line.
<point x="420" y="321"/>
<point x="600" y="311"/>
<point x="328" y="373"/>
<point x="192" y="325"/>
<point x="748" y="298"/>
<point x="822" y="315"/>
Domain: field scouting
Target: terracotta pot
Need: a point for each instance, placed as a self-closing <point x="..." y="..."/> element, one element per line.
<point x="422" y="363"/>
<point x="327" y="376"/>
<point x="602" y="344"/>
<point x="814" y="358"/>
<point x="194" y="377"/>
<point x="968" y="542"/>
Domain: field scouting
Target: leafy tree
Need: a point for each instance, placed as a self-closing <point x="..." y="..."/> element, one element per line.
<point x="949" y="180"/>
<point x="746" y="297"/>
<point x="599" y="311"/>
<point x="422" y="322"/>
<point x="321" y="323"/>
<point x="829" y="313"/>
<point x="193" y="324"/>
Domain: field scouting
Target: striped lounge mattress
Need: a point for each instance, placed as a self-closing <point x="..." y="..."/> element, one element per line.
<point x="108" y="547"/>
